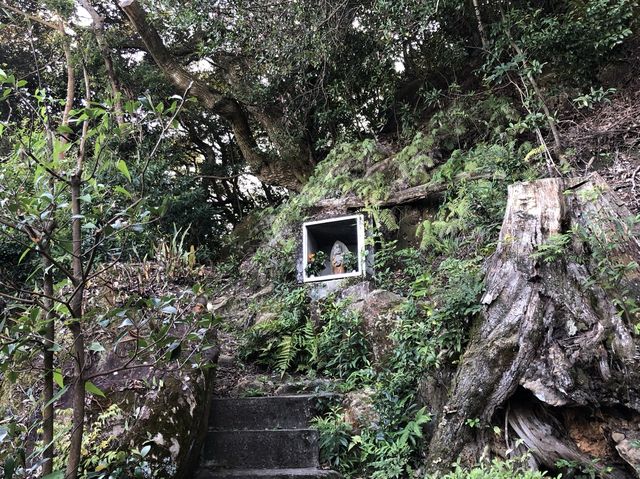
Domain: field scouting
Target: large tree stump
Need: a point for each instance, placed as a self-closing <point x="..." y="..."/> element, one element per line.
<point x="548" y="327"/>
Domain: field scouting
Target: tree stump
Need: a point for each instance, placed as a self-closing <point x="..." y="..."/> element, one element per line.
<point x="551" y="324"/>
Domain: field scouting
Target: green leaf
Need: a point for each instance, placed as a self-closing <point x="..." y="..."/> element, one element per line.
<point x="122" y="168"/>
<point x="64" y="129"/>
<point x="59" y="147"/>
<point x="55" y="475"/>
<point x="131" y="106"/>
<point x="93" y="389"/>
<point x="24" y="255"/>
<point x="96" y="346"/>
<point x="57" y="377"/>
<point x="57" y="396"/>
<point x="120" y="189"/>
<point x="145" y="450"/>
<point x="9" y="467"/>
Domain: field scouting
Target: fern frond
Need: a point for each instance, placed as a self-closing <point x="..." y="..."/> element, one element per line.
<point x="382" y="218"/>
<point x="287" y="349"/>
<point x="310" y="341"/>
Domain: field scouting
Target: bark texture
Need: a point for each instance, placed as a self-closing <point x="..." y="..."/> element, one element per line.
<point x="550" y="325"/>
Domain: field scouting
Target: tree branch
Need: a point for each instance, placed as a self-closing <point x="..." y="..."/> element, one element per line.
<point x="98" y="30"/>
<point x="228" y="108"/>
<point x="35" y="18"/>
<point x="410" y="195"/>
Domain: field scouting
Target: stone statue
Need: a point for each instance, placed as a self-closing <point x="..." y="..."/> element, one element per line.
<point x="338" y="251"/>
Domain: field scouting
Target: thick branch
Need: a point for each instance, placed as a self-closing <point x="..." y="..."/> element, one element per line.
<point x="290" y="173"/>
<point x="425" y="192"/>
<point x="34" y="18"/>
<point x="227" y="108"/>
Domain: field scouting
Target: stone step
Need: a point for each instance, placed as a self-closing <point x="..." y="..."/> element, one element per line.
<point x="261" y="449"/>
<point x="273" y="412"/>
<point x="309" y="473"/>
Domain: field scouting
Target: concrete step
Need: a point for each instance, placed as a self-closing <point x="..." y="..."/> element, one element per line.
<point x="261" y="449"/>
<point x="309" y="473"/>
<point x="275" y="412"/>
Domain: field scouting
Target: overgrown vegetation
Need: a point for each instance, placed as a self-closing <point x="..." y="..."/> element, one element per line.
<point x="497" y="469"/>
<point x="191" y="119"/>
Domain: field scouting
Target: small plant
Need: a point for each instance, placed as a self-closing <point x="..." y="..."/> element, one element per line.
<point x="350" y="262"/>
<point x="253" y="392"/>
<point x="589" y="100"/>
<point x="343" y="347"/>
<point x="335" y="438"/>
<point x="473" y="423"/>
<point x="287" y="342"/>
<point x="589" y="470"/>
<point x="498" y="469"/>
<point x="553" y="249"/>
<point x="316" y="262"/>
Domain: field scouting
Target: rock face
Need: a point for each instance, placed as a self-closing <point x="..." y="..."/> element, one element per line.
<point x="377" y="310"/>
<point x="170" y="420"/>
<point x="628" y="449"/>
<point x="359" y="410"/>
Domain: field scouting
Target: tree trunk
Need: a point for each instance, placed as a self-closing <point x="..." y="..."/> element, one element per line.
<point x="47" y="390"/>
<point x="290" y="167"/>
<point x="76" y="306"/>
<point x="550" y="323"/>
<point x="481" y="29"/>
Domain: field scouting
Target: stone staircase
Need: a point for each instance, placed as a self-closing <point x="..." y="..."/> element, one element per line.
<point x="263" y="437"/>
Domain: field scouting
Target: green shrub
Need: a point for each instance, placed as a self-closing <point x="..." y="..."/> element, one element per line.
<point x="335" y="439"/>
<point x="343" y="348"/>
<point x="286" y="342"/>
<point x="498" y="469"/>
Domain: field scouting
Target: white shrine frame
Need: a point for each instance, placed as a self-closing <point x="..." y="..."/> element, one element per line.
<point x="349" y="229"/>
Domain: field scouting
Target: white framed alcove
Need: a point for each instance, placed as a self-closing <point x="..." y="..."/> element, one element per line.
<point x="322" y="235"/>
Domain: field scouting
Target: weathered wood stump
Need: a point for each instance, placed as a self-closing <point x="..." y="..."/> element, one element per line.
<point x="553" y="323"/>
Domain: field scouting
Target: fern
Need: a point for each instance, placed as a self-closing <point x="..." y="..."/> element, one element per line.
<point x="382" y="218"/>
<point x="535" y="152"/>
<point x="310" y="341"/>
<point x="287" y="349"/>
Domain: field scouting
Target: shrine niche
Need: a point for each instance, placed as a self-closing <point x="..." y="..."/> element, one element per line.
<point x="333" y="248"/>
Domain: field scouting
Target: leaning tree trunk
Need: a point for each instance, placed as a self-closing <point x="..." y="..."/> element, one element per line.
<point x="552" y="322"/>
<point x="289" y="166"/>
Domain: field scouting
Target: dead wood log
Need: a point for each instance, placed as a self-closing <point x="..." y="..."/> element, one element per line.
<point x="425" y="192"/>
<point x="542" y="434"/>
<point x="548" y="326"/>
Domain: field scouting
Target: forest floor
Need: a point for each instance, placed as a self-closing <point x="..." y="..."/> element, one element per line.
<point x="607" y="140"/>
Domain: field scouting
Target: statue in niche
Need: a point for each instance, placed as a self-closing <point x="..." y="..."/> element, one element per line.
<point x="338" y="252"/>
